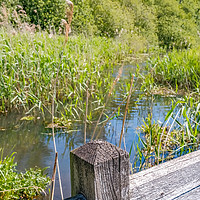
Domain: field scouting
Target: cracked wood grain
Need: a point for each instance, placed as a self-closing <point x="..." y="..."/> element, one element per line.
<point x="100" y="171"/>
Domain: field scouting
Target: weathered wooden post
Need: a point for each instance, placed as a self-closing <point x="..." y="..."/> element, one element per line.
<point x="100" y="171"/>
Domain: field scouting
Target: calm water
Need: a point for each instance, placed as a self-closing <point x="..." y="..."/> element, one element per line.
<point x="34" y="145"/>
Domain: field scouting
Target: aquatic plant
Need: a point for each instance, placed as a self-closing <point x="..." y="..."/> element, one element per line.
<point x="178" y="71"/>
<point x="107" y="99"/>
<point x="176" y="136"/>
<point x="15" y="185"/>
<point x="28" y="64"/>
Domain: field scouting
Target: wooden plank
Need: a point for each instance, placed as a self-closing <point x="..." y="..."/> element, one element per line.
<point x="171" y="180"/>
<point x="193" y="194"/>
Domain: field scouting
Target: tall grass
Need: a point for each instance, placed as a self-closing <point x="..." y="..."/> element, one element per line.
<point x="28" y="63"/>
<point x="177" y="135"/>
<point x="177" y="71"/>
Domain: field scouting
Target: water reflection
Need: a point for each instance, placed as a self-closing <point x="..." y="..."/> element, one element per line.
<point x="22" y="137"/>
<point x="34" y="145"/>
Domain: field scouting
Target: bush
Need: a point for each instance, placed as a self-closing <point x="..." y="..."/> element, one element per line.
<point x="191" y="7"/>
<point x="45" y="13"/>
<point x="15" y="185"/>
<point x="145" y="20"/>
<point x="109" y="17"/>
<point x="83" y="18"/>
<point x="175" y="27"/>
<point x="10" y="3"/>
<point x="169" y="23"/>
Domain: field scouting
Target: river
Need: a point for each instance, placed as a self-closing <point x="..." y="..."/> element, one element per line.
<point x="33" y="143"/>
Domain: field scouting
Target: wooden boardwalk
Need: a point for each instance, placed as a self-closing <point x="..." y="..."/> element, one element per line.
<point x="100" y="171"/>
<point x="176" y="179"/>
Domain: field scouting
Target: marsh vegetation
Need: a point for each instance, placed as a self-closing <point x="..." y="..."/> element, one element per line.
<point x="68" y="83"/>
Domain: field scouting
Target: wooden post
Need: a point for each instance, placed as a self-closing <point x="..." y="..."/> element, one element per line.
<point x="100" y="171"/>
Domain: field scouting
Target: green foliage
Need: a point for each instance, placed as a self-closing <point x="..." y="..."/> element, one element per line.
<point x="15" y="185"/>
<point x="83" y="19"/>
<point x="157" y="141"/>
<point x="175" y="27"/>
<point x="29" y="62"/>
<point x="109" y="16"/>
<point x="168" y="23"/>
<point x="191" y="7"/>
<point x="177" y="70"/>
<point x="144" y="22"/>
<point x="45" y="13"/>
<point x="10" y="3"/>
<point x="12" y="14"/>
<point x="130" y="17"/>
<point x="177" y="135"/>
<point x="164" y="22"/>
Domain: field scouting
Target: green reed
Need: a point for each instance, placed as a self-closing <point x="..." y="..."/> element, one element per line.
<point x="177" y="135"/>
<point x="178" y="71"/>
<point x="29" y="61"/>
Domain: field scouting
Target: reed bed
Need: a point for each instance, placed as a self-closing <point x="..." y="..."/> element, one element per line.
<point x="179" y="134"/>
<point x="29" y="61"/>
<point x="178" y="71"/>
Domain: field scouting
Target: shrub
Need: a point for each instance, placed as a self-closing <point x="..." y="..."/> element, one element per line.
<point x="109" y="16"/>
<point x="10" y="3"/>
<point x="169" y="23"/>
<point x="45" y="13"/>
<point x="145" y="20"/>
<point x="83" y="18"/>
<point x="15" y="185"/>
<point x="175" y="27"/>
<point x="191" y="7"/>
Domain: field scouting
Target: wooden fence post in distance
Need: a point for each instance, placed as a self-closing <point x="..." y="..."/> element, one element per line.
<point x="100" y="171"/>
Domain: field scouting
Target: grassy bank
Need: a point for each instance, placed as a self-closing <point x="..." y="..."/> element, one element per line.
<point x="29" y="63"/>
<point x="15" y="185"/>
<point x="177" y="72"/>
<point x="177" y="135"/>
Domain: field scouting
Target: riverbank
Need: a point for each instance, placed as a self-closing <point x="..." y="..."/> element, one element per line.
<point x="176" y="73"/>
<point x="55" y="92"/>
<point x="30" y="62"/>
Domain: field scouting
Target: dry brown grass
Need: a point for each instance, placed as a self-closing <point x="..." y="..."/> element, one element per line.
<point x="69" y="15"/>
<point x="3" y="15"/>
<point x="69" y="11"/>
<point x="54" y="83"/>
<point x="108" y="97"/>
<point x="18" y="17"/>
<point x="126" y="109"/>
